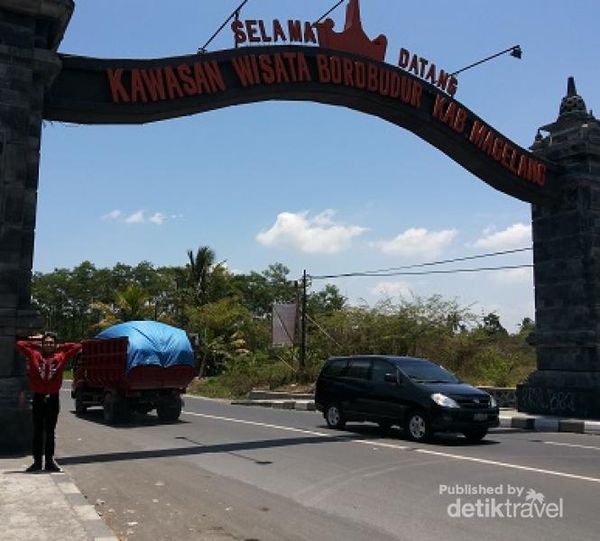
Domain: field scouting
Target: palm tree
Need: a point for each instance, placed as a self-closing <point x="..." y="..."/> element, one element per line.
<point x="131" y="304"/>
<point x="200" y="269"/>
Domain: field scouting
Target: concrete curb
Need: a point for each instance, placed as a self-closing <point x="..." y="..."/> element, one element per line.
<point x="550" y="424"/>
<point x="86" y="513"/>
<point x="303" y="405"/>
<point x="507" y="419"/>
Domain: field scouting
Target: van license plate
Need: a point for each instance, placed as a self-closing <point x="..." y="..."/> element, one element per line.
<point x="480" y="417"/>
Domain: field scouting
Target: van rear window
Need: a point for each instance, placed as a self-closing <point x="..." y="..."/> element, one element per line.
<point x="334" y="368"/>
<point x="359" y="369"/>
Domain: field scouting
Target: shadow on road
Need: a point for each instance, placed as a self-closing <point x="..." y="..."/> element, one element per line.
<point x="357" y="432"/>
<point x="200" y="449"/>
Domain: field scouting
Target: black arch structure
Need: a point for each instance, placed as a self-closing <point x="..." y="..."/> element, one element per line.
<point x="81" y="94"/>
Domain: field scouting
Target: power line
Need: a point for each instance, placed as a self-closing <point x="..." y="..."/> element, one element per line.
<point x="328" y="12"/>
<point x="234" y="13"/>
<point x="421" y="273"/>
<point x="379" y="272"/>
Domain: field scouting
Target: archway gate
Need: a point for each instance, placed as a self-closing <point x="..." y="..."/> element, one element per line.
<point x="560" y="176"/>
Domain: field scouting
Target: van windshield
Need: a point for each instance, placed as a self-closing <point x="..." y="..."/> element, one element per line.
<point x="427" y="372"/>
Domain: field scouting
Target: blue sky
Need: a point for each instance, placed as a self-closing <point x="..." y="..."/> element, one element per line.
<point x="313" y="186"/>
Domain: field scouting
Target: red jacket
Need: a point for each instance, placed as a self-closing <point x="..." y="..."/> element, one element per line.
<point x="46" y="373"/>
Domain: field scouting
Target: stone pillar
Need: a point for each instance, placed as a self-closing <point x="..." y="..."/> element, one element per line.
<point x="30" y="31"/>
<point x="566" y="253"/>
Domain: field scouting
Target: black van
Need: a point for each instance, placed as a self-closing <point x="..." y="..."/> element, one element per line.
<point x="416" y="394"/>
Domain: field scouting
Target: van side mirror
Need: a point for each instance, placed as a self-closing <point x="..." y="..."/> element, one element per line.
<point x="390" y="378"/>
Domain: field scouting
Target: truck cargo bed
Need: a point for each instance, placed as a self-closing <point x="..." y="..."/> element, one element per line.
<point x="103" y="365"/>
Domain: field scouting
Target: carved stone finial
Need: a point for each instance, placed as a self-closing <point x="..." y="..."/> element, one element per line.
<point x="572" y="105"/>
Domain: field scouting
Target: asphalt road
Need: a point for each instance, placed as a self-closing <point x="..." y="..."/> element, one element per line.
<point x="238" y="473"/>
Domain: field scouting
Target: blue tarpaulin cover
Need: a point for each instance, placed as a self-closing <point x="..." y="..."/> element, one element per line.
<point x="152" y="344"/>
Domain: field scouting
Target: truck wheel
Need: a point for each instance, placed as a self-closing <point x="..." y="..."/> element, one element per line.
<point x="80" y="408"/>
<point x="124" y="411"/>
<point x="116" y="410"/>
<point x="169" y="410"/>
<point x="109" y="408"/>
<point x="144" y="409"/>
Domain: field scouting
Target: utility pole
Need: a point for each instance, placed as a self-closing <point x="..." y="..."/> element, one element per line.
<point x="302" y="367"/>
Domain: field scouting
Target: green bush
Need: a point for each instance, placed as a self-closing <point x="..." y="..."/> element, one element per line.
<point x="492" y="367"/>
<point x="245" y="372"/>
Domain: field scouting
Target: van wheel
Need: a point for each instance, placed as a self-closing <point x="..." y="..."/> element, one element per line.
<point x="334" y="416"/>
<point x="418" y="427"/>
<point x="475" y="435"/>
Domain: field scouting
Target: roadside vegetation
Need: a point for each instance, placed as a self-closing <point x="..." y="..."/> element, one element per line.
<point x="231" y="315"/>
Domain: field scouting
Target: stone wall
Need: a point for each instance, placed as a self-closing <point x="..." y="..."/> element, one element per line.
<point x="566" y="255"/>
<point x="28" y="64"/>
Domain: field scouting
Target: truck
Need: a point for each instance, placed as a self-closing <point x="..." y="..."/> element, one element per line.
<point x="134" y="367"/>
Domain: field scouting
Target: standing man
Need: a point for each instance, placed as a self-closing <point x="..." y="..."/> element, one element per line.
<point x="46" y="361"/>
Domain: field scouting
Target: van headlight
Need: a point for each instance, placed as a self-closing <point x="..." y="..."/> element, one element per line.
<point x="493" y="403"/>
<point x="444" y="401"/>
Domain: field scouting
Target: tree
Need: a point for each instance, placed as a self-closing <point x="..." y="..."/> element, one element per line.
<point x="259" y="291"/>
<point x="50" y="295"/>
<point x="199" y="267"/>
<point x="130" y="304"/>
<point x="222" y="328"/>
<point x="328" y="300"/>
<point x="526" y="327"/>
<point x="492" y="326"/>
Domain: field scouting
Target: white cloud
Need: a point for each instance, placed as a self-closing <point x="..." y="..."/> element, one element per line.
<point x="319" y="234"/>
<point x="392" y="289"/>
<point x="139" y="217"/>
<point x="112" y="215"/>
<point x="157" y="218"/>
<point x="515" y="236"/>
<point x="513" y="276"/>
<point x="136" y="218"/>
<point x="417" y="242"/>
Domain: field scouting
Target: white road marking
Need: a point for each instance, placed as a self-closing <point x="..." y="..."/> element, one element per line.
<point x="509" y="465"/>
<point x="571" y="445"/>
<point x="403" y="448"/>
<point x="256" y="423"/>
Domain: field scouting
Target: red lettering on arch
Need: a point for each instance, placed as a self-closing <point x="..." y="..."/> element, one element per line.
<point x="137" y="87"/>
<point x="117" y="90"/>
<point x="323" y="69"/>
<point x="173" y="86"/>
<point x="438" y="107"/>
<point x="153" y="79"/>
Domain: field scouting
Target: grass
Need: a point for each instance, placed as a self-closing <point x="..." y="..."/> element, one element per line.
<point x="233" y="386"/>
<point x="212" y="388"/>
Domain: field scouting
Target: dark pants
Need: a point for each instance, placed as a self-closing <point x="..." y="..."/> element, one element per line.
<point x="45" y="415"/>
